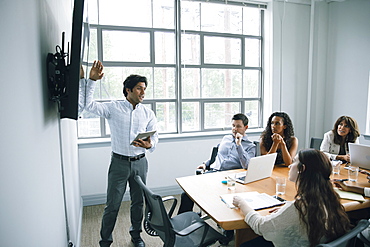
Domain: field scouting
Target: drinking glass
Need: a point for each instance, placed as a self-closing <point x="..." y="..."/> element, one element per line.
<point x="353" y="173"/>
<point x="231" y="182"/>
<point x="280" y="185"/>
<point x="336" y="166"/>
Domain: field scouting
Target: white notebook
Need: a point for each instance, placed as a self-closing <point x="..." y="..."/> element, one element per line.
<point x="254" y="199"/>
<point x="349" y="195"/>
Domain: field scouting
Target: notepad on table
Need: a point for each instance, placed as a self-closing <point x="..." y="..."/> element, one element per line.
<point x="349" y="195"/>
<point x="254" y="199"/>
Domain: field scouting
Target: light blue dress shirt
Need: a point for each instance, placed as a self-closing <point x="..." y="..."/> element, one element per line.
<point x="124" y="121"/>
<point x="231" y="156"/>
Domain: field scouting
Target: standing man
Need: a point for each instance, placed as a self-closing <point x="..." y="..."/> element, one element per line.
<point x="126" y="119"/>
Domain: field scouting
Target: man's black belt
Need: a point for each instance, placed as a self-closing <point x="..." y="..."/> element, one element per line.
<point x="128" y="158"/>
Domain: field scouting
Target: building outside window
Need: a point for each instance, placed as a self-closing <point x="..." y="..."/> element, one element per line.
<point x="203" y="61"/>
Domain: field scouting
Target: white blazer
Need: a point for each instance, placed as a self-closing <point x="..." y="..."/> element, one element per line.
<point x="329" y="147"/>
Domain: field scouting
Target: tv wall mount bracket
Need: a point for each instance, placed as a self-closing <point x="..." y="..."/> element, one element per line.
<point x="57" y="72"/>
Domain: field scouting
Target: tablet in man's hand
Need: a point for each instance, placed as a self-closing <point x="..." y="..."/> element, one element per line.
<point x="143" y="136"/>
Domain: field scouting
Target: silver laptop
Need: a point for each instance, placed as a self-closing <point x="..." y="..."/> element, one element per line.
<point x="360" y="155"/>
<point x="259" y="167"/>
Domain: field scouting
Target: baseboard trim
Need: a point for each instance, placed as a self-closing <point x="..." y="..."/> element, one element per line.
<point x="97" y="199"/>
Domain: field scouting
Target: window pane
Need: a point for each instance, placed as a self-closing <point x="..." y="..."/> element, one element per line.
<point x="166" y="116"/>
<point x="220" y="50"/>
<point x="190" y="116"/>
<point x="88" y="125"/>
<point x="218" y="115"/>
<point x="112" y="82"/>
<point x="190" y="83"/>
<point x="163" y="14"/>
<point x="149" y="106"/>
<point x="252" y="52"/>
<point x="251" y="83"/>
<point x="126" y="13"/>
<point x="190" y="49"/>
<point x="221" y="18"/>
<point x="164" y="83"/>
<point x="126" y="46"/>
<point x="190" y="15"/>
<point x="221" y="83"/>
<point x="252" y="112"/>
<point x="164" y="48"/>
<point x="252" y="20"/>
<point x="91" y="48"/>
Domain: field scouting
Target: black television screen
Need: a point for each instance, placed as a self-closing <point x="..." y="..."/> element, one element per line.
<point x="80" y="30"/>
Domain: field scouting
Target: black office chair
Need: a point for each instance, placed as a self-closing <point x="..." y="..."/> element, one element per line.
<point x="258" y="149"/>
<point x="186" y="229"/>
<point x="363" y="239"/>
<point x="315" y="143"/>
<point x="213" y="156"/>
<point x="349" y="239"/>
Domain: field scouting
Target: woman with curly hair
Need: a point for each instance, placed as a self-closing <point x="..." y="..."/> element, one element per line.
<point x="278" y="137"/>
<point x="335" y="142"/>
<point x="316" y="216"/>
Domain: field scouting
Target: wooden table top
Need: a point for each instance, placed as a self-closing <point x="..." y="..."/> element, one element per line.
<point x="205" y="191"/>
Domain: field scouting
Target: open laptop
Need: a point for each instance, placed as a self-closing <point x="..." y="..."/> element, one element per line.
<point x="259" y="167"/>
<point x="360" y="155"/>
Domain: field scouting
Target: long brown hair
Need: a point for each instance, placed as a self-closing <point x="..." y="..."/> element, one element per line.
<point x="318" y="204"/>
<point x="353" y="133"/>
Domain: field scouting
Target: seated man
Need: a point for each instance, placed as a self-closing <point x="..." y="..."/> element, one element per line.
<point x="234" y="152"/>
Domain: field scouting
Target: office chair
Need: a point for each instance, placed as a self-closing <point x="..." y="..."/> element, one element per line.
<point x="363" y="239"/>
<point x="213" y="156"/>
<point x="258" y="149"/>
<point x="184" y="230"/>
<point x="349" y="239"/>
<point x="315" y="143"/>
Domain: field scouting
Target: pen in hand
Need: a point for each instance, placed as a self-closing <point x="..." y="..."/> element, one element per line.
<point x="340" y="180"/>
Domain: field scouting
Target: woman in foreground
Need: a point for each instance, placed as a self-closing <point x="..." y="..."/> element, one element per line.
<point x="316" y="216"/>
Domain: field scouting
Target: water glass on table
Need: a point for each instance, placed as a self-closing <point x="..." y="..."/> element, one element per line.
<point x="353" y="173"/>
<point x="231" y="182"/>
<point x="336" y="166"/>
<point x="280" y="185"/>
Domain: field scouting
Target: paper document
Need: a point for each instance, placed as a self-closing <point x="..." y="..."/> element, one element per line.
<point x="349" y="195"/>
<point x="254" y="199"/>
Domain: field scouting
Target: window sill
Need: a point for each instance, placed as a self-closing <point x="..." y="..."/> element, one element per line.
<point x="253" y="135"/>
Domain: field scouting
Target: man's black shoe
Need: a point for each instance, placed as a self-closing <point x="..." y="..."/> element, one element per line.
<point x="138" y="242"/>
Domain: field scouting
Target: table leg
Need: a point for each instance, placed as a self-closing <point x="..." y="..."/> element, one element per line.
<point x="243" y="235"/>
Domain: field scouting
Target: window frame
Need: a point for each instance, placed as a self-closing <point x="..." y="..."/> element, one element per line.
<point x="178" y="66"/>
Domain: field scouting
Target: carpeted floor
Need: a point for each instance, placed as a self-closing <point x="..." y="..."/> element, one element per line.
<point x="91" y="221"/>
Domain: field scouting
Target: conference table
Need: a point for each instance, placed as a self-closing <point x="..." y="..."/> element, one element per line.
<point x="205" y="191"/>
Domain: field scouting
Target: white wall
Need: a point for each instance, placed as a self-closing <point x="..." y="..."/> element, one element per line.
<point x="340" y="61"/>
<point x="348" y="61"/>
<point x="32" y="205"/>
<point x="290" y="62"/>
